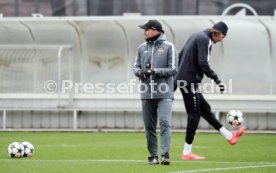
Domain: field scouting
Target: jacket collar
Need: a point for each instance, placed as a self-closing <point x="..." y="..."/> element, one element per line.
<point x="207" y="32"/>
<point x="159" y="38"/>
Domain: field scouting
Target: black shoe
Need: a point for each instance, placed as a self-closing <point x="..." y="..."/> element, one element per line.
<point x="165" y="159"/>
<point x="153" y="160"/>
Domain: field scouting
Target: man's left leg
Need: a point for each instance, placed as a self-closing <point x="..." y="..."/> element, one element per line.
<point x="207" y="114"/>
<point x="165" y="117"/>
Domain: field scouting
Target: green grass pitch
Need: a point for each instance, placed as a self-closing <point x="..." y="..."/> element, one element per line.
<point x="118" y="152"/>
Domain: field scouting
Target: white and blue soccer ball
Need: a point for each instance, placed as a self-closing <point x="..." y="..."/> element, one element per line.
<point x="28" y="149"/>
<point x="16" y="150"/>
<point x="235" y="118"/>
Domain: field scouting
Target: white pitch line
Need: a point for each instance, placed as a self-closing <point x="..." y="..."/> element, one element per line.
<point x="223" y="169"/>
<point x="142" y="161"/>
<point x="106" y="161"/>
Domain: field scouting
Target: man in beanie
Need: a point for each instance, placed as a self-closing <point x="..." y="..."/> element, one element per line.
<point x="193" y="64"/>
<point x="155" y="65"/>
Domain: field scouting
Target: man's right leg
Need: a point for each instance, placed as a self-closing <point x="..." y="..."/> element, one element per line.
<point x="149" y="108"/>
<point x="191" y="102"/>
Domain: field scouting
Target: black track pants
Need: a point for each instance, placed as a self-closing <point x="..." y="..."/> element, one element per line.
<point x="196" y="106"/>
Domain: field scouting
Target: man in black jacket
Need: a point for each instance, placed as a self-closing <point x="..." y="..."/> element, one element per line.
<point x="193" y="64"/>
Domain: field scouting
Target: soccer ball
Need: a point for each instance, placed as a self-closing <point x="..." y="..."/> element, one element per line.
<point x="15" y="149"/>
<point x="28" y="149"/>
<point x="234" y="118"/>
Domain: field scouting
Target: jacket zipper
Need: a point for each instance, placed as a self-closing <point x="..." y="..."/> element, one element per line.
<point x="151" y="81"/>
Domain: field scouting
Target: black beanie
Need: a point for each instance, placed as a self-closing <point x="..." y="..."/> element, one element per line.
<point x="222" y="27"/>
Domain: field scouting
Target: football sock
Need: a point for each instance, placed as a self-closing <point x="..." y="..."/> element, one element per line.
<point x="226" y="133"/>
<point x="187" y="149"/>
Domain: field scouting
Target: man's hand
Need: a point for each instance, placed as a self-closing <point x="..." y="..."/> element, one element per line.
<point x="142" y="75"/>
<point x="151" y="72"/>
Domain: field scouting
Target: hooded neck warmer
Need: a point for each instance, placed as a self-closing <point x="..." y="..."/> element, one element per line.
<point x="152" y="39"/>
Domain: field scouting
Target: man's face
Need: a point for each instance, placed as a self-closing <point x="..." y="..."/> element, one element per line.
<point x="217" y="37"/>
<point x="149" y="33"/>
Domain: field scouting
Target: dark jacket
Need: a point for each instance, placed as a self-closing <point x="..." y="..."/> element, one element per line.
<point x="194" y="59"/>
<point x="162" y="57"/>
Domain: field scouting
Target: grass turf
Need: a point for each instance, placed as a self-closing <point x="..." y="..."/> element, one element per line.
<point x="91" y="152"/>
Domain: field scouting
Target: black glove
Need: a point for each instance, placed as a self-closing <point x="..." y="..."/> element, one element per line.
<point x="221" y="87"/>
<point x="151" y="72"/>
<point x="142" y="75"/>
